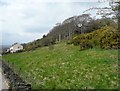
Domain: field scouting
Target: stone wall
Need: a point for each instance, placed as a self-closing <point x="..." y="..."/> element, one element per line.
<point x="15" y="82"/>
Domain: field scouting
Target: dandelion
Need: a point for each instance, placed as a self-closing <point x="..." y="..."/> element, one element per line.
<point x="113" y="82"/>
<point x="63" y="63"/>
<point x="45" y="78"/>
<point x="53" y="77"/>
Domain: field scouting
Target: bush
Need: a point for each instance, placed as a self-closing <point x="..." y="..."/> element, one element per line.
<point x="76" y="40"/>
<point x="69" y="42"/>
<point x="110" y="40"/>
<point x="51" y="47"/>
<point x="19" y="51"/>
<point x="84" y="46"/>
<point x="107" y="38"/>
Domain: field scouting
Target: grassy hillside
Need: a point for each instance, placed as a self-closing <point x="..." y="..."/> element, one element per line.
<point x="66" y="67"/>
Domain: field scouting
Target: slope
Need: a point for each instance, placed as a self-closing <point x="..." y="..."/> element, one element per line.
<point x="64" y="66"/>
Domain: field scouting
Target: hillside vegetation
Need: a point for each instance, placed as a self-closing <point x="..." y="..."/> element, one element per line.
<point x="106" y="38"/>
<point x="50" y="63"/>
<point x="69" y="28"/>
<point x="64" y="66"/>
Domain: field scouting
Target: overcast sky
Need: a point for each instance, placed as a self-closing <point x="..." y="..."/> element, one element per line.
<point x="23" y="21"/>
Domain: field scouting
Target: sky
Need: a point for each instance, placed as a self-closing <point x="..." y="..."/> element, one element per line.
<point x="24" y="21"/>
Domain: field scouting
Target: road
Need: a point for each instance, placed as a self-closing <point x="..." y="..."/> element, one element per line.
<point x="3" y="81"/>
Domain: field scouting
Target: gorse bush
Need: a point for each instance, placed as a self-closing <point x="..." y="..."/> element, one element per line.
<point x="85" y="46"/>
<point x="106" y="38"/>
<point x="110" y="40"/>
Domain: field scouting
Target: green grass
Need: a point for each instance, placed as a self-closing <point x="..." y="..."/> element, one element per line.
<point x="67" y="67"/>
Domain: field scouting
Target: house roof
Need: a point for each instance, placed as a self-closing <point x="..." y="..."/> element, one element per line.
<point x="15" y="44"/>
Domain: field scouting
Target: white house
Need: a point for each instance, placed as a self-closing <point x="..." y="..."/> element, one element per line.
<point x="15" y="47"/>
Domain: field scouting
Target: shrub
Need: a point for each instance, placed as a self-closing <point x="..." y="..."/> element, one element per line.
<point x="51" y="47"/>
<point x="76" y="40"/>
<point x="107" y="38"/>
<point x="110" y="40"/>
<point x="84" y="46"/>
<point x="19" y="51"/>
<point x="69" y="42"/>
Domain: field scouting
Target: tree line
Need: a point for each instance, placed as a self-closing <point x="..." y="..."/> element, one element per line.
<point x="74" y="26"/>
